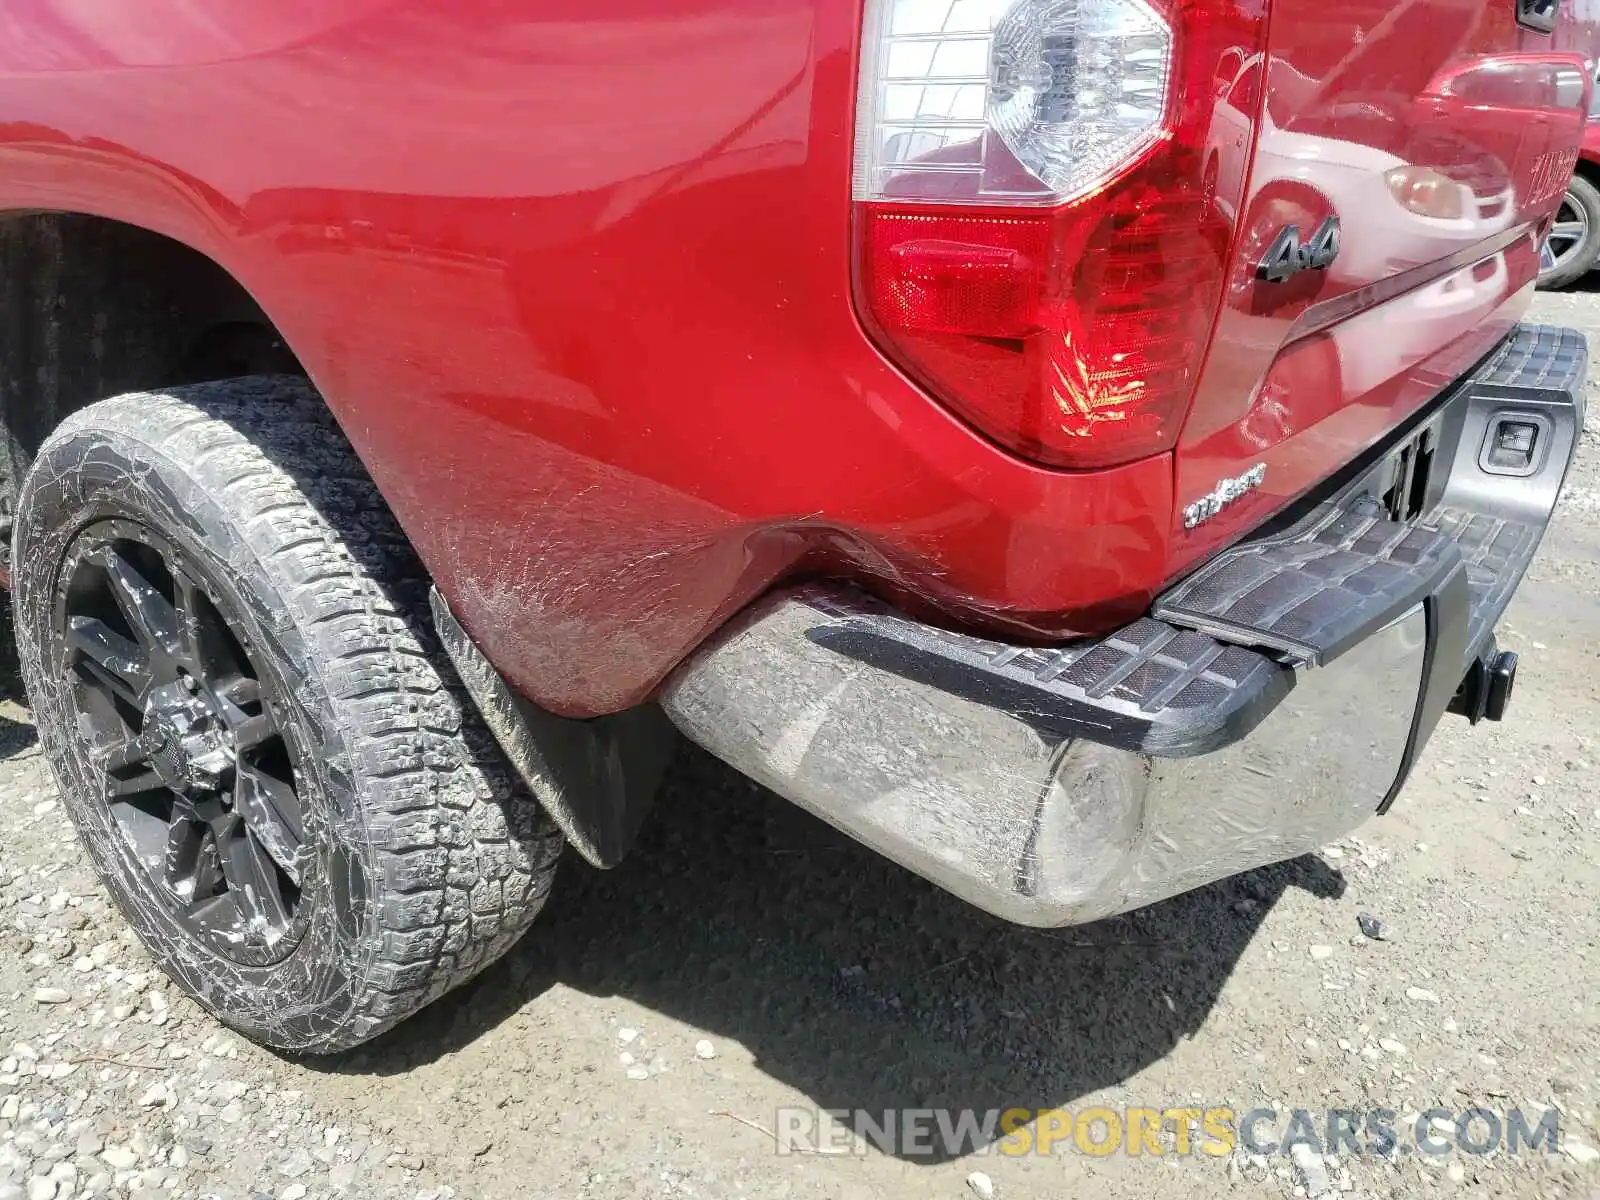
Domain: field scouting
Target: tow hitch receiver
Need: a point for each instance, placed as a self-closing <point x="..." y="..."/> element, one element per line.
<point x="1485" y="690"/>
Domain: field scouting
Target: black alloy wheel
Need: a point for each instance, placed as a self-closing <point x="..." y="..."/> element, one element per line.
<point x="197" y="771"/>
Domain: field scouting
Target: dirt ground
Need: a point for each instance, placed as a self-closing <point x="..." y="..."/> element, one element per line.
<point x="642" y="1039"/>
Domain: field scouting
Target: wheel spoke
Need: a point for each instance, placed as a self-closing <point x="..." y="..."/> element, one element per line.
<point x="248" y="729"/>
<point x="187" y="599"/>
<point x="251" y="731"/>
<point x="1568" y="229"/>
<point x="151" y="615"/>
<point x="186" y="846"/>
<point x="126" y="663"/>
<point x="116" y="759"/>
<point x="97" y="675"/>
<point x="240" y="692"/>
<point x="204" y="641"/>
<point x="119" y="755"/>
<point x="271" y="812"/>
<point x="133" y="785"/>
<point x="249" y="873"/>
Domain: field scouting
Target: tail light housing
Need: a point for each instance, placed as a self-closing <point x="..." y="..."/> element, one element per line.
<point x="1038" y="237"/>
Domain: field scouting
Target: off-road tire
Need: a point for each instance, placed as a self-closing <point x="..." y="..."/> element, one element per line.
<point x="428" y="857"/>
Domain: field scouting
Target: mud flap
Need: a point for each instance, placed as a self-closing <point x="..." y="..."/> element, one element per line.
<point x="596" y="778"/>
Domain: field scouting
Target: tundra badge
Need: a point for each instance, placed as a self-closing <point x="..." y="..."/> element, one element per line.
<point x="1224" y="494"/>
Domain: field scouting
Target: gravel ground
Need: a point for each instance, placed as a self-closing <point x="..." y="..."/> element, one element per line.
<point x="641" y="1039"/>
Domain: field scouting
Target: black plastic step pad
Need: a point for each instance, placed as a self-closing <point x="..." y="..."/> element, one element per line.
<point x="1319" y="588"/>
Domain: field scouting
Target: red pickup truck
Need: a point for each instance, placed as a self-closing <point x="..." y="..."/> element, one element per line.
<point x="1081" y="448"/>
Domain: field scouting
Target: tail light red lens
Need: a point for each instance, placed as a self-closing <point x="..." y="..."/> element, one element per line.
<point x="1071" y="333"/>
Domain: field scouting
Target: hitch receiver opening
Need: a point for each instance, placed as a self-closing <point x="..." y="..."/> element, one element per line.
<point x="1485" y="690"/>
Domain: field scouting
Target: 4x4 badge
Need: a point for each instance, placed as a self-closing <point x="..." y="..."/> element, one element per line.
<point x="1288" y="254"/>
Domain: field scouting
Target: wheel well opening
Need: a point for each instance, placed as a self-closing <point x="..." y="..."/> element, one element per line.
<point x="1589" y="170"/>
<point x="93" y="307"/>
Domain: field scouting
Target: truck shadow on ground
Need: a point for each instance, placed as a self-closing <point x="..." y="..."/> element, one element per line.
<point x="849" y="979"/>
<point x="16" y="738"/>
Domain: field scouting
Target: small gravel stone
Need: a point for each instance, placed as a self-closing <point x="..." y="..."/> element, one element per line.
<point x="1313" y="1175"/>
<point x="1372" y="927"/>
<point x="1321" y="952"/>
<point x="1416" y="993"/>
<point x="119" y="1158"/>
<point x="627" y="1036"/>
<point x="1580" y="1153"/>
<point x="704" y="1049"/>
<point x="638" y="1073"/>
<point x="1391" y="1046"/>
<point x="296" y="1163"/>
<point x="51" y="995"/>
<point x="41" y="1187"/>
<point x="981" y="1184"/>
<point x="295" y="1191"/>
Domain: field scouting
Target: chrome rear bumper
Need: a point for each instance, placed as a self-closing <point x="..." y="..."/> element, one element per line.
<point x="1273" y="701"/>
<point x="1037" y="827"/>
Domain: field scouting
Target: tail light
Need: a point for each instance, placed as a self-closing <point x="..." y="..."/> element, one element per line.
<point x="1037" y="237"/>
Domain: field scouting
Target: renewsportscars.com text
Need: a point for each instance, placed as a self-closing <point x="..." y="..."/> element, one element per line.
<point x="1169" y="1131"/>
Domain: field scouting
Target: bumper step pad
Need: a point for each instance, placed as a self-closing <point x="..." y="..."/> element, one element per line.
<point x="1149" y="686"/>
<point x="1537" y="361"/>
<point x="1330" y="582"/>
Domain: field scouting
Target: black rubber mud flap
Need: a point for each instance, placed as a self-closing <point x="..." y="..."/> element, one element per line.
<point x="595" y="778"/>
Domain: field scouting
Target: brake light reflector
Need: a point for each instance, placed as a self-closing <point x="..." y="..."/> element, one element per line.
<point x="1037" y="240"/>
